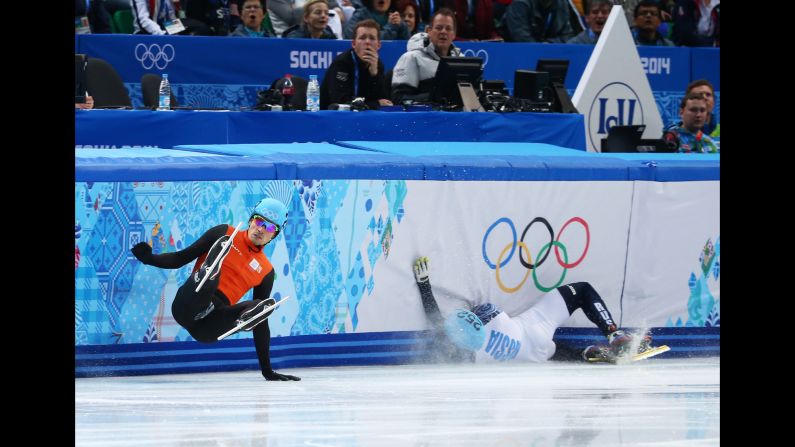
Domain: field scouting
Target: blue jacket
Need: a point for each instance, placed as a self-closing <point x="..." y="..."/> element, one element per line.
<point x="659" y="40"/>
<point x="301" y="32"/>
<point x="388" y="30"/>
<point x="528" y="21"/>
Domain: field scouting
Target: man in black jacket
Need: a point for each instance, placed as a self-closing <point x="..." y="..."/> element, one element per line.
<point x="358" y="72"/>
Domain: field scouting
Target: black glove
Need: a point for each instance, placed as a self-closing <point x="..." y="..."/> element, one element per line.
<point x="143" y="252"/>
<point x="273" y="375"/>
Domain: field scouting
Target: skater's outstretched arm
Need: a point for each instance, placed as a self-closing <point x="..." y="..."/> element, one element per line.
<point x="440" y="345"/>
<point x="175" y="260"/>
<point x="262" y="341"/>
<point x="422" y="271"/>
<point x="262" y="333"/>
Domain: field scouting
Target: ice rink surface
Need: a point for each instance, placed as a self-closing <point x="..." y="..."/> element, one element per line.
<point x="656" y="402"/>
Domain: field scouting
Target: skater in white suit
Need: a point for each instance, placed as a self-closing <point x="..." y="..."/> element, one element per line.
<point x="492" y="335"/>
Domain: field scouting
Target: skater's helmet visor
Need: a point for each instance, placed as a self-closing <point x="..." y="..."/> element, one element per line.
<point x="264" y="222"/>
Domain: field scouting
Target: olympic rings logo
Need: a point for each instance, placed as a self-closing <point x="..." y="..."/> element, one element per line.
<point x="483" y="54"/>
<point x="154" y="55"/>
<point x="542" y="255"/>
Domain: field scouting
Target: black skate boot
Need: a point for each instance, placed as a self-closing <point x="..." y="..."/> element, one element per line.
<point x="256" y="315"/>
<point x="599" y="354"/>
<point x="626" y="345"/>
<point x="620" y="342"/>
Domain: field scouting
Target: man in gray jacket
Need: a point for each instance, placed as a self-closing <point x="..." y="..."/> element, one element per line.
<point x="413" y="76"/>
<point x="596" y="13"/>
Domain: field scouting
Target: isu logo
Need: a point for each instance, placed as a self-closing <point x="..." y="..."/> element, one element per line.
<point x="616" y="104"/>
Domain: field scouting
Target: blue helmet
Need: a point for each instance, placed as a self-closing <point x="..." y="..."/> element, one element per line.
<point x="272" y="210"/>
<point x="465" y="330"/>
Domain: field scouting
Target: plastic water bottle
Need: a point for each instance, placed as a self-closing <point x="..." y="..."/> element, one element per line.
<point x="313" y="94"/>
<point x="165" y="94"/>
<point x="288" y="90"/>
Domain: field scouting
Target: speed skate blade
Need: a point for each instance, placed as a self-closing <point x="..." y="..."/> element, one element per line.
<point x="650" y="353"/>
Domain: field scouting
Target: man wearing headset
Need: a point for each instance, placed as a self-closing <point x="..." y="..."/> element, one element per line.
<point x="215" y="309"/>
<point x="415" y="71"/>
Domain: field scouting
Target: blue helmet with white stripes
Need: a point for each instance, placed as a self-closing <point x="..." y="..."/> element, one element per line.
<point x="272" y="210"/>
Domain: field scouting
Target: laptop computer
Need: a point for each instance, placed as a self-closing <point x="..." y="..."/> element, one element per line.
<point x="630" y="139"/>
<point x="623" y="138"/>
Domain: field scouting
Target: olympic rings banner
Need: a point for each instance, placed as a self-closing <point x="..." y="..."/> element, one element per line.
<point x="651" y="250"/>
<point x="508" y="243"/>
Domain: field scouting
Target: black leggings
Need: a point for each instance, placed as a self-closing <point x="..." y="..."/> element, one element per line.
<point x="581" y="295"/>
<point x="188" y="304"/>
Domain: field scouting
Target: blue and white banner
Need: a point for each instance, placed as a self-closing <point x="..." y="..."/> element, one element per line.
<point x="347" y="252"/>
<point x="673" y="261"/>
<point x="214" y="60"/>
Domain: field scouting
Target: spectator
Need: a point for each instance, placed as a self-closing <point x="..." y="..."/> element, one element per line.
<point x="315" y="23"/>
<point x="687" y="135"/>
<point x="392" y="26"/>
<point x="474" y="19"/>
<point x="579" y="6"/>
<point x="597" y="13"/>
<point x="500" y="6"/>
<point x="576" y="18"/>
<point x="91" y="17"/>
<point x="254" y="23"/>
<point x="220" y="16"/>
<point x="423" y="12"/>
<point x="288" y="13"/>
<point x="408" y="12"/>
<point x="647" y="22"/>
<point x="697" y="23"/>
<point x="164" y="21"/>
<point x="415" y="70"/>
<point x="537" y="21"/>
<point x="705" y="89"/>
<point x="357" y="72"/>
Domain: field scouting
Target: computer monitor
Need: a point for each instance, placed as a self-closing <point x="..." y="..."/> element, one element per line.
<point x="80" y="78"/>
<point x="557" y="69"/>
<point x="532" y="85"/>
<point x="450" y="72"/>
